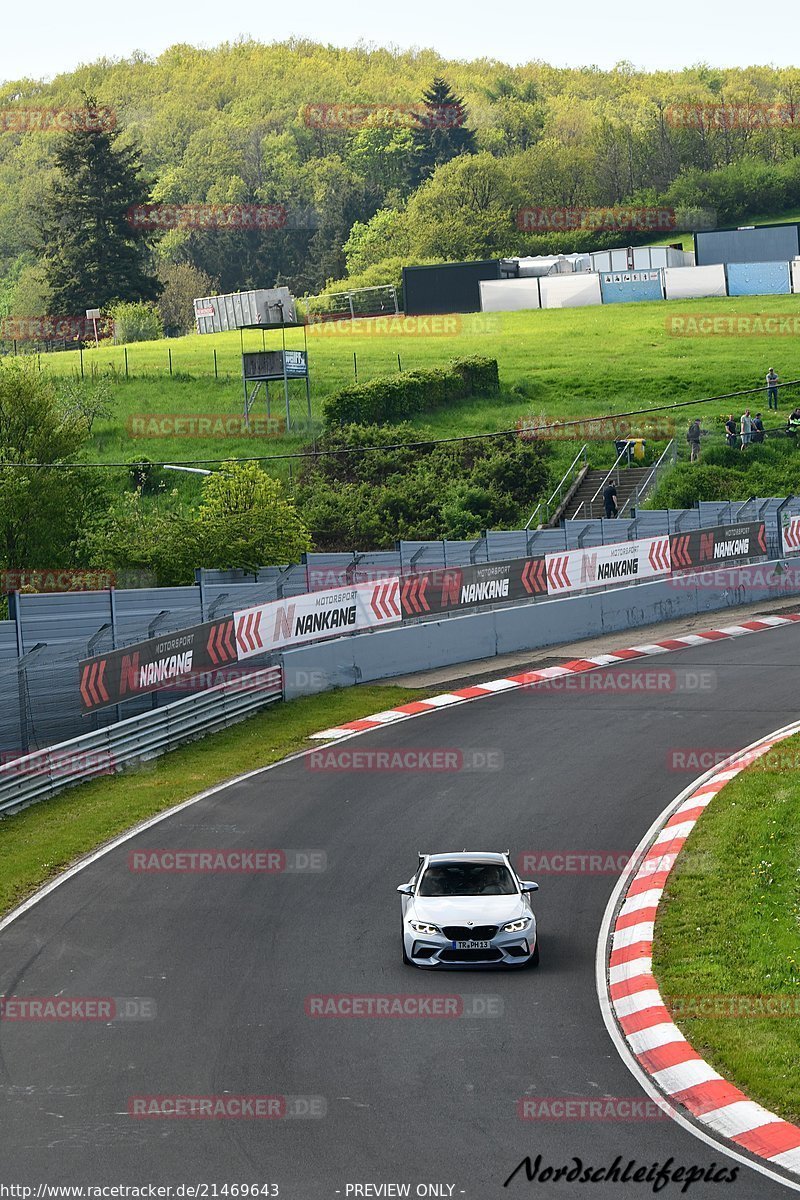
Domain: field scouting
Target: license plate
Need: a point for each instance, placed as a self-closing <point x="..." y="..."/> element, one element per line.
<point x="471" y="945"/>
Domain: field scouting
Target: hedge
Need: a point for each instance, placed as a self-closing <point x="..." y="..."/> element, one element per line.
<point x="394" y="397"/>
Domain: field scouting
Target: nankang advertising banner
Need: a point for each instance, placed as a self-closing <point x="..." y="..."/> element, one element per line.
<point x="450" y="588"/>
<point x="599" y="566"/>
<point x="719" y="544"/>
<point x="157" y="663"/>
<point x="317" y="615"/>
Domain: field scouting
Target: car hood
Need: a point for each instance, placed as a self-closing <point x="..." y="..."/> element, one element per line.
<point x="460" y="910"/>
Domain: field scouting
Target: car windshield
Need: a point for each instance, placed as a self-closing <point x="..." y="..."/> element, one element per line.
<point x="467" y="879"/>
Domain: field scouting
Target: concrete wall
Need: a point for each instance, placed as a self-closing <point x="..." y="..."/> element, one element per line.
<point x="400" y="651"/>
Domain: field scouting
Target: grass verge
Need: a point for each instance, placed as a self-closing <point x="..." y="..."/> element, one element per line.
<point x="41" y="841"/>
<point x="554" y="364"/>
<point x="729" y="926"/>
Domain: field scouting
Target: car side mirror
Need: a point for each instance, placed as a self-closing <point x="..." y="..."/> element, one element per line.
<point x="406" y="889"/>
<point x="527" y="885"/>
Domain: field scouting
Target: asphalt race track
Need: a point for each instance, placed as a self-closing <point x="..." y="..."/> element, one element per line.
<point x="231" y="958"/>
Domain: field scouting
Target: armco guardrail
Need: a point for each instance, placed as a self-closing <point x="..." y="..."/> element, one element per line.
<point x="106" y="751"/>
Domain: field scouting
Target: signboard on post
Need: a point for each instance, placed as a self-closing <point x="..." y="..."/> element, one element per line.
<point x="317" y="615"/>
<point x="450" y="588"/>
<point x="618" y="563"/>
<point x="268" y="365"/>
<point x="93" y="315"/>
<point x="717" y="545"/>
<point x="159" y="662"/>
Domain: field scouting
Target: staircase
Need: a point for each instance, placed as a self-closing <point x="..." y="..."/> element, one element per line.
<point x="628" y="479"/>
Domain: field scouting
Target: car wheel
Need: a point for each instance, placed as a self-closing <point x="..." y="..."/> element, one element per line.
<point x="533" y="961"/>
<point x="406" y="960"/>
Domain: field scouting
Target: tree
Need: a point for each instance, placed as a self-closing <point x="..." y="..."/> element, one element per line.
<point x="383" y="156"/>
<point x="45" y="508"/>
<point x="441" y="132"/>
<point x="154" y="536"/>
<point x="91" y="252"/>
<point x="244" y="521"/>
<point x="465" y="210"/>
<point x="182" y="284"/>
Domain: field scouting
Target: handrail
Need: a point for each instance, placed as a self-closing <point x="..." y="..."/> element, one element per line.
<point x="622" y="454"/>
<point x="671" y="450"/>
<point x="581" y="454"/>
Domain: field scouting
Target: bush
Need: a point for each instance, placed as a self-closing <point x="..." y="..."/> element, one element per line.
<point x="393" y="397"/>
<point x="138" y="322"/>
<point x="413" y="490"/>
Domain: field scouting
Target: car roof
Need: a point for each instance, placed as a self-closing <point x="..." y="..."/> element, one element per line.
<point x="487" y="856"/>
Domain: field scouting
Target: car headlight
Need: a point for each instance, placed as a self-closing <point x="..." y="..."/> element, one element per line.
<point x="424" y="927"/>
<point x="516" y="926"/>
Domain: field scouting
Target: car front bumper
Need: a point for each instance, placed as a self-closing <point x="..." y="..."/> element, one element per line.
<point x="435" y="950"/>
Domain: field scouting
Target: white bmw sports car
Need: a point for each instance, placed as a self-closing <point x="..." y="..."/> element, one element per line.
<point x="468" y="910"/>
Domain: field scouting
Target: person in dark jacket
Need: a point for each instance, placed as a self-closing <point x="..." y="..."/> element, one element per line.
<point x="610" y="499"/>
<point x="731" y="431"/>
<point x="757" y="434"/>
<point x="693" y="438"/>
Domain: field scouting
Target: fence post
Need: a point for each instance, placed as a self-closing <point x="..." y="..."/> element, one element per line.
<point x="216" y="376"/>
<point x="355" y="366"/>
<point x="80" y="352"/>
<point x="169" y="354"/>
<point x="125" y="351"/>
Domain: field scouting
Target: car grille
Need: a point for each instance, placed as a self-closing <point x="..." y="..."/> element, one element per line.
<point x="470" y="955"/>
<point x="462" y="933"/>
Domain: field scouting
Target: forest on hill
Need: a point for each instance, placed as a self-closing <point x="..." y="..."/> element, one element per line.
<point x="334" y="139"/>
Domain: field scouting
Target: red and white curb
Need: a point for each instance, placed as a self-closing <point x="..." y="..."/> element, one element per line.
<point x="635" y="1011"/>
<point x="531" y="678"/>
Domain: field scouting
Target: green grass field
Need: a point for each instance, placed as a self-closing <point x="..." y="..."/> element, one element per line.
<point x="729" y="926"/>
<point x="557" y="363"/>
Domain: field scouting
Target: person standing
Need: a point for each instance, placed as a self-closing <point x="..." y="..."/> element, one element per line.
<point x="693" y="438"/>
<point x="745" y="428"/>
<point x="758" y="429"/>
<point x="610" y="499"/>
<point x="772" y="389"/>
<point x="730" y="431"/>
